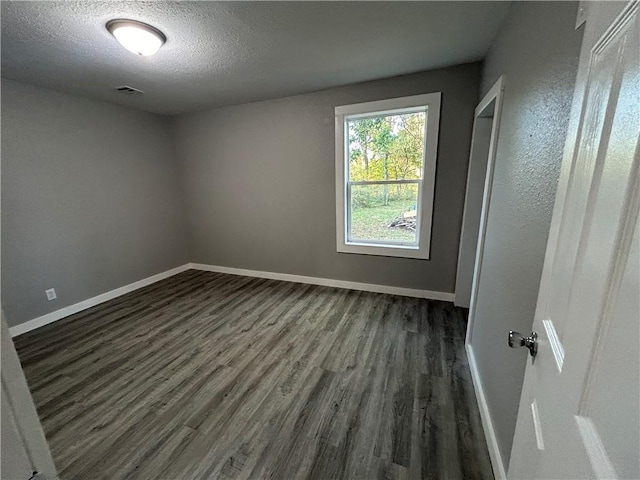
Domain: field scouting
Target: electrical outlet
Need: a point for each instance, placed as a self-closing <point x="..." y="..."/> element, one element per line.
<point x="51" y="294"/>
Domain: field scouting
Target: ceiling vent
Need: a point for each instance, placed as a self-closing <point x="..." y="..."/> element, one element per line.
<point x="126" y="89"/>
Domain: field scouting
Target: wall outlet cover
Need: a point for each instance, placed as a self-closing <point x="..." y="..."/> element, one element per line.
<point x="51" y="294"/>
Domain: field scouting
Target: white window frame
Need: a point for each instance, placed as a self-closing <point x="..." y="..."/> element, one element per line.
<point x="416" y="103"/>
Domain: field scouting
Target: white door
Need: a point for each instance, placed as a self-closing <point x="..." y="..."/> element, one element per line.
<point x="579" y="414"/>
<point x="24" y="447"/>
<point x="14" y="458"/>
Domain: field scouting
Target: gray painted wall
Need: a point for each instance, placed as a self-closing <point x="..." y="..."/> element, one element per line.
<point x="90" y="200"/>
<point x="537" y="50"/>
<point x="259" y="181"/>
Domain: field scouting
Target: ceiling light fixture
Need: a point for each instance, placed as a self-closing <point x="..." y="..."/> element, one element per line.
<point x="137" y="37"/>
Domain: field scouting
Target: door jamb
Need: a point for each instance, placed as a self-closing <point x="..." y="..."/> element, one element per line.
<point x="496" y="93"/>
<point x="23" y="410"/>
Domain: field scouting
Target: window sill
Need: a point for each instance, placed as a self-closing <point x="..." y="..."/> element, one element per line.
<point x="401" y="251"/>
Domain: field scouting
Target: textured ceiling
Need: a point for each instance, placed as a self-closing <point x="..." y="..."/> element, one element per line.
<point x="221" y="53"/>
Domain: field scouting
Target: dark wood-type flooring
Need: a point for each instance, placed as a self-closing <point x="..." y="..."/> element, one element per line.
<point x="205" y="375"/>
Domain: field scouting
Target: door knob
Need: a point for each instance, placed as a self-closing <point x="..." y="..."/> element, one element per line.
<point x="518" y="340"/>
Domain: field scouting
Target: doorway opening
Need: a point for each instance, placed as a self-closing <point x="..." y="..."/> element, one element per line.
<point x="478" y="195"/>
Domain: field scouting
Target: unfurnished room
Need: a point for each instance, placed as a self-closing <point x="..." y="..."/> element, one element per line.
<point x="320" y="240"/>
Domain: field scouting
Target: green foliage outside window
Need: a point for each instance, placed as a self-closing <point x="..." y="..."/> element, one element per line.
<point x="386" y="148"/>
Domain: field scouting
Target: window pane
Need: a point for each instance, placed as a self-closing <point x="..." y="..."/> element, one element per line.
<point x="384" y="213"/>
<point x="389" y="147"/>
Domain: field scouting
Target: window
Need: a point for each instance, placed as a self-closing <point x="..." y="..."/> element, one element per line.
<point x="385" y="175"/>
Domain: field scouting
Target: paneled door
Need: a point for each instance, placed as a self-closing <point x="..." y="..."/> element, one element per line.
<point x="579" y="414"/>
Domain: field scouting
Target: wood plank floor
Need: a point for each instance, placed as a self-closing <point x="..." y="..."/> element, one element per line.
<point x="206" y="375"/>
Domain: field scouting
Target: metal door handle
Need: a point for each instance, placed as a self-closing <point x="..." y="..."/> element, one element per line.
<point x="516" y="339"/>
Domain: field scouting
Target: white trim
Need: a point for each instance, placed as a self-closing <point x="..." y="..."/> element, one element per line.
<point x="16" y="398"/>
<point x="426" y="189"/>
<point x="487" y="424"/>
<point x="388" y="106"/>
<point x="328" y="282"/>
<point x="91" y="302"/>
<point x="286" y="277"/>
<point x="554" y="343"/>
<point x="596" y="452"/>
<point x="496" y="92"/>
<point x="537" y="425"/>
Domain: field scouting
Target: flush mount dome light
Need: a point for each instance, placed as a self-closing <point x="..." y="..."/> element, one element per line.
<point x="137" y="37"/>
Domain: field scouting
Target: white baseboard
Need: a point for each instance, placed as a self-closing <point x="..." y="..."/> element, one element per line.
<point x="92" y="302"/>
<point x="328" y="282"/>
<point x="487" y="424"/>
